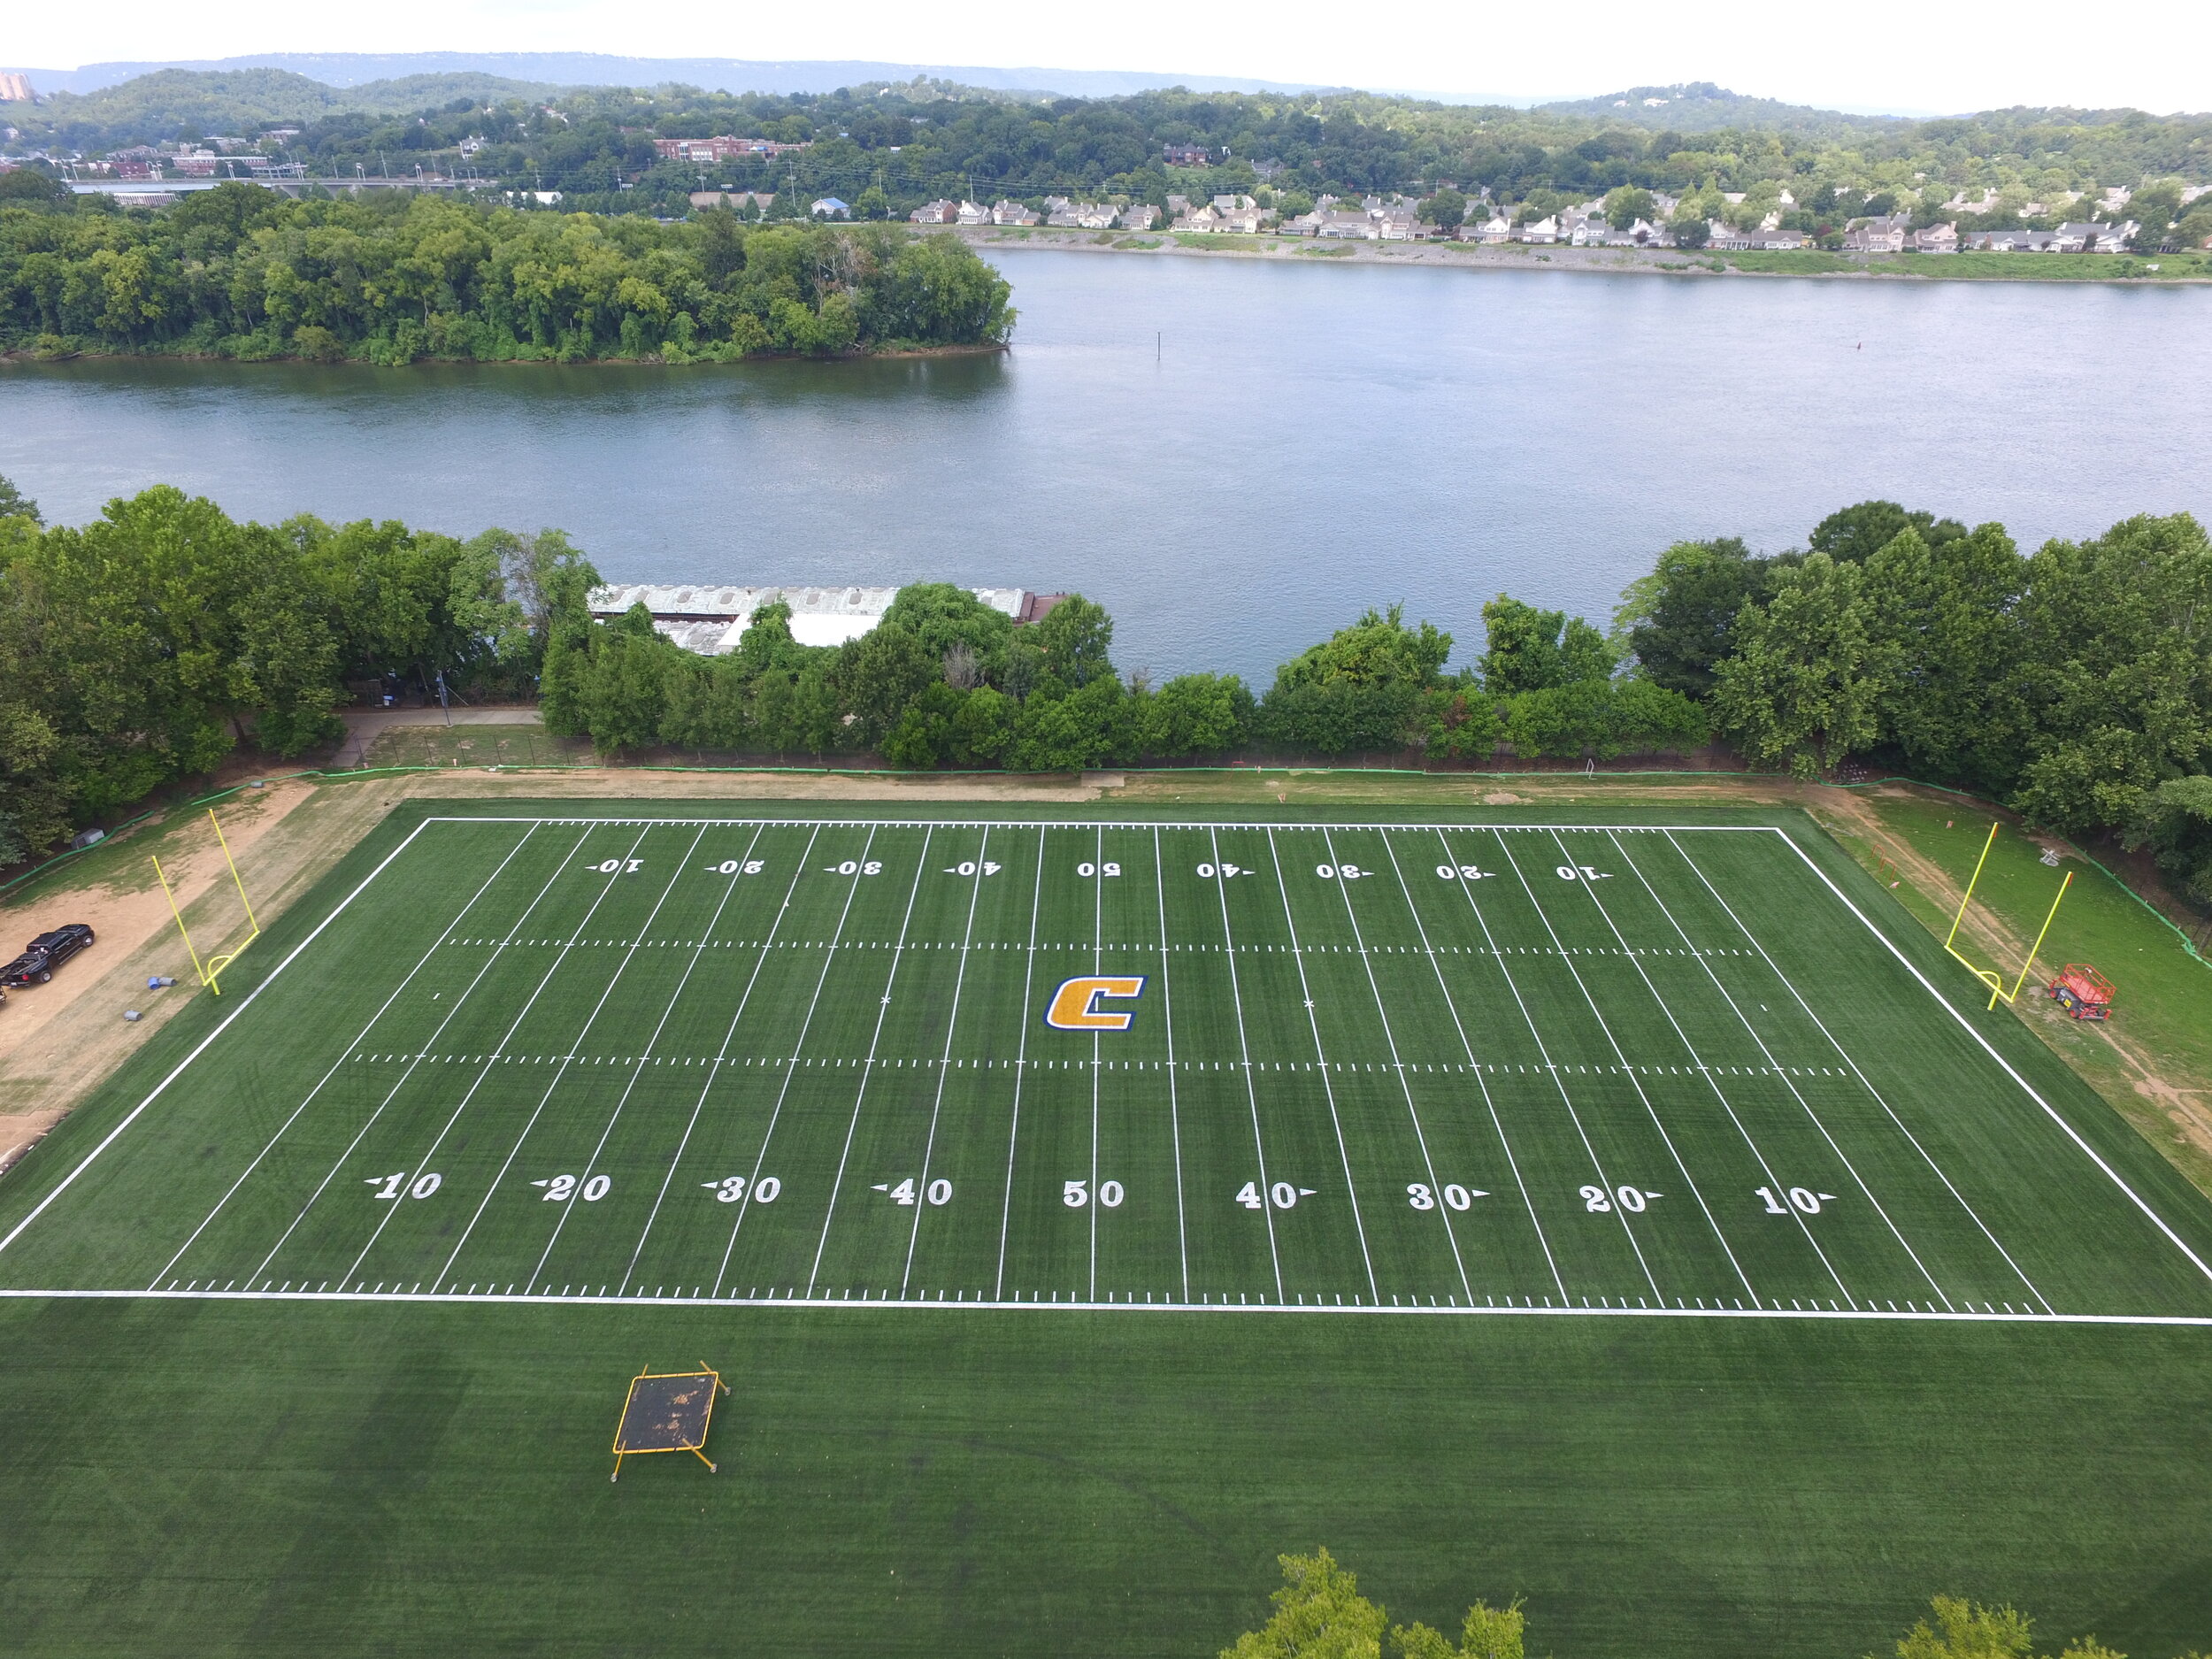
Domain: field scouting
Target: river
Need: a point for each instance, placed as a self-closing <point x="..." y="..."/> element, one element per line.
<point x="1234" y="456"/>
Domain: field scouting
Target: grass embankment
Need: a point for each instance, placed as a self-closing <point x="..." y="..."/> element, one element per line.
<point x="2013" y="267"/>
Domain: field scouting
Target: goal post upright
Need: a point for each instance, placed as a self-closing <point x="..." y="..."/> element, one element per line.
<point x="1991" y="977"/>
<point x="208" y="972"/>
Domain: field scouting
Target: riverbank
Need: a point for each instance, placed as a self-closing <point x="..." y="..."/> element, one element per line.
<point x="2186" y="269"/>
<point x="56" y="349"/>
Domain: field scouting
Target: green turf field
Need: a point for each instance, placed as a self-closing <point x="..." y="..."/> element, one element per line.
<point x="1641" y="1214"/>
<point x="1350" y="1067"/>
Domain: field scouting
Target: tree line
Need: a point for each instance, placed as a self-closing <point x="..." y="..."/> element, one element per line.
<point x="1320" y="1614"/>
<point x="2074" y="684"/>
<point x="242" y="271"/>
<point x="908" y="143"/>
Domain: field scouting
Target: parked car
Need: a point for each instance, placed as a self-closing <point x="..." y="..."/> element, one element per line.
<point x="46" y="953"/>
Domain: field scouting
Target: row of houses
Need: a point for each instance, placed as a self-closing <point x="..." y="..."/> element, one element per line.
<point x="1060" y="212"/>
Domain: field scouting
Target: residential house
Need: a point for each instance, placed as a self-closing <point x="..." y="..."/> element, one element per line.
<point x="938" y="212"/>
<point x="722" y="149"/>
<point x="1083" y="216"/>
<point x="1496" y="228"/>
<point x="1011" y="213"/>
<point x="1936" y="239"/>
<point x="1542" y="230"/>
<point x="1726" y="238"/>
<point x="1185" y="155"/>
<point x="829" y="207"/>
<point x="1178" y="205"/>
<point x="1139" y="216"/>
<point x="732" y="199"/>
<point x="2096" y="238"/>
<point x="2008" y="240"/>
<point x="1885" y="234"/>
<point x="971" y="213"/>
<point x="1773" y="240"/>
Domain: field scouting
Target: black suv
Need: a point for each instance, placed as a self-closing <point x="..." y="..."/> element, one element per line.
<point x="46" y="953"/>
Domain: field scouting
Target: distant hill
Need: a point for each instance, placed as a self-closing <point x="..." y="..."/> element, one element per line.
<point x="170" y="101"/>
<point x="359" y="70"/>
<point x="1699" y="106"/>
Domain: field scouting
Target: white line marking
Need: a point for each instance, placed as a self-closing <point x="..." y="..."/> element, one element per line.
<point x="2157" y="1221"/>
<point x="1712" y="1080"/>
<point x="1167" y="1016"/>
<point x="1320" y="1053"/>
<point x="1474" y="1066"/>
<point x="1621" y="1059"/>
<point x="285" y="1127"/>
<point x="201" y="1046"/>
<point x="1558" y="1077"/>
<point x="722" y="1053"/>
<point x="1236" y="993"/>
<point x="1405" y="1085"/>
<point x="868" y="1066"/>
<point x="1021" y="1067"/>
<point x="944" y="1065"/>
<point x="1774" y="1065"/>
<point x="500" y="1047"/>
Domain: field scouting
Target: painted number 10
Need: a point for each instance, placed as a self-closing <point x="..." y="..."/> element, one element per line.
<point x="1802" y="1198"/>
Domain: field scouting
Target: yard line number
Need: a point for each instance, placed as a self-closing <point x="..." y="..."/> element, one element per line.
<point x="1464" y="872"/>
<point x="1583" y="873"/>
<point x="394" y="1185"/>
<point x="854" y="867"/>
<point x="937" y="1192"/>
<point x="1086" y="871"/>
<point x="1347" y="872"/>
<point x="737" y="867"/>
<point x="969" y="866"/>
<point x="1283" y="1196"/>
<point x="1421" y="1196"/>
<point x="1802" y="1198"/>
<point x="1598" y="1202"/>
<point x="560" y="1189"/>
<point x="1075" y="1194"/>
<point x="730" y="1188"/>
<point x="1207" y="873"/>
<point x="617" y="866"/>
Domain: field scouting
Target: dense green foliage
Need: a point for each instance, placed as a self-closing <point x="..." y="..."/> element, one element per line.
<point x="242" y="271"/>
<point x="886" y="148"/>
<point x="2075" y="682"/>
<point x="1320" y="1614"/>
<point x="135" y="651"/>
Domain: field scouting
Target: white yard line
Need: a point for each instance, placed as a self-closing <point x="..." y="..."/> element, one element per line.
<point x="567" y="1206"/>
<point x="416" y="1166"/>
<point x="722" y="1053"/>
<point x="1614" y="1043"/>
<point x="1473" y="1067"/>
<point x="944" y="1063"/>
<point x="1244" y="1044"/>
<point x="1021" y="1066"/>
<point x="1775" y="1064"/>
<point x="1397" y="1065"/>
<point x="1328" y="1088"/>
<point x="200" y="1047"/>
<point x="1551" y="1070"/>
<point x="1845" y="1055"/>
<point x="414" y="1061"/>
<point x="868" y="1069"/>
<point x="1167" y="1016"/>
<point x="1712" y="1080"/>
<point x="791" y="1063"/>
<point x="718" y="1304"/>
<point x="285" y="1127"/>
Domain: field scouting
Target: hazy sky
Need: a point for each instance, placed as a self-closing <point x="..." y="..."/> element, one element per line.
<point x="1904" y="54"/>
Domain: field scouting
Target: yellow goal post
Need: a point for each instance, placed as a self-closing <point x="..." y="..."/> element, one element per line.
<point x="1991" y="977"/>
<point x="210" y="970"/>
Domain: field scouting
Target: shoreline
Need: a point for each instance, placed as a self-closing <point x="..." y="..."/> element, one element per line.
<point x="32" y="354"/>
<point x="2128" y="270"/>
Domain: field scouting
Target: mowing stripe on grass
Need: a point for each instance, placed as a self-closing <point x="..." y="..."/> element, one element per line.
<point x="1244" y="1042"/>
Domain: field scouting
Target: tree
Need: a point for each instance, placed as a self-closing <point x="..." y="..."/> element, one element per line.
<point x="1359" y="690"/>
<point x="1943" y="637"/>
<point x="1447" y="210"/>
<point x="1965" y="1630"/>
<point x="1196" y="714"/>
<point x="2175" y="823"/>
<point x="1859" y="532"/>
<point x="1319" y="1614"/>
<point x="1627" y="203"/>
<point x="1691" y="231"/>
<point x="1530" y="650"/>
<point x="1488" y="1632"/>
<point x="13" y="503"/>
<point x="942" y="616"/>
<point x="1679" y="621"/>
<point x="1797" y="692"/>
<point x="2114" y="670"/>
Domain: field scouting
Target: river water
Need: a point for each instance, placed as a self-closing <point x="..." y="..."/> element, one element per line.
<point x="1234" y="456"/>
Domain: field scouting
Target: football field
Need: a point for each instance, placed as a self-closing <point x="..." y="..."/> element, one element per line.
<point x="1637" y="1070"/>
